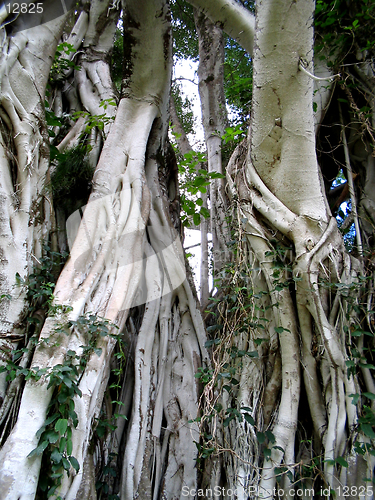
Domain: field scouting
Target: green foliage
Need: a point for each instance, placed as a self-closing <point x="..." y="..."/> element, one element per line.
<point x="204" y="450"/>
<point x="62" y="62"/>
<point x="193" y="181"/>
<point x="71" y="178"/>
<point x="185" y="40"/>
<point x="40" y="283"/>
<point x="236" y="308"/>
<point x="96" y="121"/>
<point x="238" y="81"/>
<point x="106" y="424"/>
<point x="184" y="109"/>
<point x="232" y="314"/>
<point x="72" y="173"/>
<point x="108" y="472"/>
<point x="234" y="135"/>
<point x="204" y="375"/>
<point x="53" y="120"/>
<point x="360" y="341"/>
<point x="55" y="435"/>
<point x="55" y="441"/>
<point x="38" y="288"/>
<point x="340" y="23"/>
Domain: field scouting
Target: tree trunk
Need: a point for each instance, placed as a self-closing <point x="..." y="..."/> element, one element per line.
<point x="291" y="251"/>
<point x="214" y="119"/>
<point x="126" y="253"/>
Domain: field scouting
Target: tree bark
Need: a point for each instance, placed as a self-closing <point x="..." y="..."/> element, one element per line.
<point x="214" y="119"/>
<point x="126" y="253"/>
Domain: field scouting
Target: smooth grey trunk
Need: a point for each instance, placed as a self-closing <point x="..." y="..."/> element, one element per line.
<point x="276" y="202"/>
<point x="126" y="252"/>
<point x="25" y="62"/>
<point x="214" y="120"/>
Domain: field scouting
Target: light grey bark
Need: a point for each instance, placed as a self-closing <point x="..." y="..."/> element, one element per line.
<point x="214" y="120"/>
<point x="126" y="253"/>
<point x="277" y="202"/>
<point x="231" y="17"/>
<point x="25" y="62"/>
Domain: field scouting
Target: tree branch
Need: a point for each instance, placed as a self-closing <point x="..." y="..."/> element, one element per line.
<point x="231" y="17"/>
<point x="351" y="185"/>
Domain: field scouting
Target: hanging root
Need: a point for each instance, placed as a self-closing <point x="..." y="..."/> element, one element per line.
<point x="303" y="297"/>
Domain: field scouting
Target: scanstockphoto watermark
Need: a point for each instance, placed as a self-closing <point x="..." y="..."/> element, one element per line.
<point x="276" y="492"/>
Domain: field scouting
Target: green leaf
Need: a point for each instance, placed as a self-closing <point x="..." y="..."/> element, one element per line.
<point x="47" y="422"/>
<point x="369" y="366"/>
<point x="19" y="280"/>
<point x="280" y="329"/>
<point x="74" y="417"/>
<point x="56" y="456"/>
<point x="259" y="341"/>
<point x="213" y="328"/>
<point x="39" y="450"/>
<point x="67" y="381"/>
<point x="69" y="446"/>
<point x="62" y="445"/>
<point x="212" y="342"/>
<point x="369" y="395"/>
<point x="61" y="425"/>
<point x="270" y="436"/>
<point x="216" y="175"/>
<point x="355" y="398"/>
<point x="342" y="461"/>
<point x="51" y="436"/>
<point x="227" y="420"/>
<point x="279" y="472"/>
<point x="205" y="212"/>
<point x="51" y="491"/>
<point x="368" y="430"/>
<point x="249" y="419"/>
<point x="120" y="415"/>
<point x="267" y="453"/>
<point x="74" y="463"/>
<point x="261" y="437"/>
<point x="196" y="219"/>
<point x="65" y="464"/>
